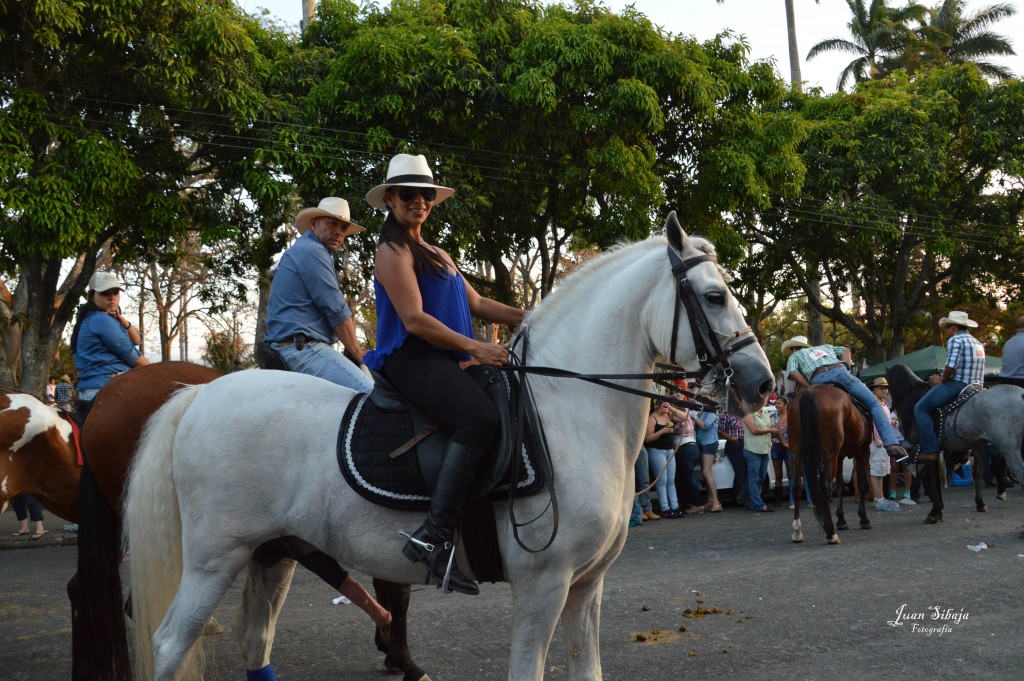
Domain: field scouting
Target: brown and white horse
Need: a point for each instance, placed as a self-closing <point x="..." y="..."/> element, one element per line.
<point x="36" y="455"/>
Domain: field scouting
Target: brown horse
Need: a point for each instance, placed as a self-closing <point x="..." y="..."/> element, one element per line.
<point x="45" y="465"/>
<point x="824" y="428"/>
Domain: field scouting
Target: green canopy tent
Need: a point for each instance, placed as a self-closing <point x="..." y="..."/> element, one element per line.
<point x="925" y="362"/>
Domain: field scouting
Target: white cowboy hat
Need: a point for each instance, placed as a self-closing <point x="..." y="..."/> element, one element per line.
<point x="959" y="318"/>
<point x="331" y="207"/>
<point x="795" y="342"/>
<point x="407" y="171"/>
<point x="104" y="281"/>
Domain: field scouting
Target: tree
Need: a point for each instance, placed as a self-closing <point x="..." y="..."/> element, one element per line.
<point x="113" y="118"/>
<point x="876" y="30"/>
<point x="795" y="78"/>
<point x="912" y="202"/>
<point x="958" y="38"/>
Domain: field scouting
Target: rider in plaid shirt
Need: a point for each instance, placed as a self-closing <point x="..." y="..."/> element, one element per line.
<point x="965" y="364"/>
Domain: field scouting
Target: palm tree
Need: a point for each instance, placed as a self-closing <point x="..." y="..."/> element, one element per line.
<point x="957" y="39"/>
<point x="795" y="78"/>
<point x="876" y="31"/>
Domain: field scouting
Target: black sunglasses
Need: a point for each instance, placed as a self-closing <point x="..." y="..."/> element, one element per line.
<point x="408" y="194"/>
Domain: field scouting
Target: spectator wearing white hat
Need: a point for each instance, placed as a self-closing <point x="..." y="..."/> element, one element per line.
<point x="104" y="342"/>
<point x="424" y="330"/>
<point x="1012" y="371"/>
<point x="965" y="364"/>
<point x="307" y="312"/>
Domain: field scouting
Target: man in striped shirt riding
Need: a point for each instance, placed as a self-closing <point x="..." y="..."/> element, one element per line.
<point x="965" y="364"/>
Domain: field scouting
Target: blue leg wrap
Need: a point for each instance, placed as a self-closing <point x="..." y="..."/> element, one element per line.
<point x="265" y="674"/>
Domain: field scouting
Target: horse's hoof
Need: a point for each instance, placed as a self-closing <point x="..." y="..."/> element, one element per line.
<point x="1001" y="497"/>
<point x="933" y="519"/>
<point x="982" y="509"/>
<point x="412" y="676"/>
<point x="842" y="526"/>
<point x="834" y="539"/>
<point x="865" y="526"/>
<point x="799" y="538"/>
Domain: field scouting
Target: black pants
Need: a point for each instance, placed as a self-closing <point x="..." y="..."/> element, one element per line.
<point x="432" y="380"/>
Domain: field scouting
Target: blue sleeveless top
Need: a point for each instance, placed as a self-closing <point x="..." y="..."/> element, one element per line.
<point x="444" y="298"/>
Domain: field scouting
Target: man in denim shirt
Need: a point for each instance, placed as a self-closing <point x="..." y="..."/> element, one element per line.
<point x="307" y="312"/>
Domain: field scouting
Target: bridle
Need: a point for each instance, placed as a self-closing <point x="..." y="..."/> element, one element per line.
<point x="712" y="356"/>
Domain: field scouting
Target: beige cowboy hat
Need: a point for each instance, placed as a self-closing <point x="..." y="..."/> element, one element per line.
<point x="331" y="207"/>
<point x="959" y="318"/>
<point x="65" y="378"/>
<point x="104" y="281"/>
<point x="795" y="342"/>
<point x="880" y="382"/>
<point x="407" y="171"/>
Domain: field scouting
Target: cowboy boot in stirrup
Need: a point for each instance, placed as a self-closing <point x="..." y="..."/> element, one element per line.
<point x="433" y="544"/>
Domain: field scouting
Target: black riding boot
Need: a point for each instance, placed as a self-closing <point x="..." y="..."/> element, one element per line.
<point x="433" y="544"/>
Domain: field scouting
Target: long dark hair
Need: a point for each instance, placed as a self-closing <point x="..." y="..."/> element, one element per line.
<point x="423" y="259"/>
<point x="83" y="311"/>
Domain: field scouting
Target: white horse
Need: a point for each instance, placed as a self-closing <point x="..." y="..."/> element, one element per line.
<point x="251" y="457"/>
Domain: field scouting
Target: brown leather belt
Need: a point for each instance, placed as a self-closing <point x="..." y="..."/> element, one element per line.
<point x="821" y="369"/>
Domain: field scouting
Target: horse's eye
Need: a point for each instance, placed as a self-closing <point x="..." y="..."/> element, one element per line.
<point x="715" y="297"/>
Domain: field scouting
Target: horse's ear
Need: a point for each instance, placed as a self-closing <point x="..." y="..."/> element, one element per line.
<point x="677" y="238"/>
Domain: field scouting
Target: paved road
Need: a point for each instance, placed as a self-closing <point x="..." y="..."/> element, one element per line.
<point x="807" y="611"/>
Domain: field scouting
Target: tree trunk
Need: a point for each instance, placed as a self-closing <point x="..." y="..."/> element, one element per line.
<point x="815" y="327"/>
<point x="795" y="79"/>
<point x="308" y="10"/>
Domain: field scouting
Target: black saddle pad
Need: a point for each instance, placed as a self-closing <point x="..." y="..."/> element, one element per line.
<point x="370" y="433"/>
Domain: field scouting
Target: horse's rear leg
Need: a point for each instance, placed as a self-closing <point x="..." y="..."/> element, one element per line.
<point x="256" y="619"/>
<point x="392" y="639"/>
<point x="837" y="490"/>
<point x="977" y="456"/>
<point x="580" y="621"/>
<point x="198" y="595"/>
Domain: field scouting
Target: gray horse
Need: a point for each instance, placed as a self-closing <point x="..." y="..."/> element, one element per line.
<point x="994" y="416"/>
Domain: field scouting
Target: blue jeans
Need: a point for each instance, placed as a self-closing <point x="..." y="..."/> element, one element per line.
<point x="27" y="506"/>
<point x="323" y="361"/>
<point x="757" y="468"/>
<point x="688" y="456"/>
<point x="666" y="484"/>
<point x="642" y="478"/>
<point x="860" y="391"/>
<point x="734" y="452"/>
<point x="936" y="397"/>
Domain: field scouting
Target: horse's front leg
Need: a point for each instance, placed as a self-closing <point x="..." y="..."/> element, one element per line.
<point x="860" y="488"/>
<point x="581" y="621"/>
<point x="931" y="467"/>
<point x="392" y="639"/>
<point x="538" y="598"/>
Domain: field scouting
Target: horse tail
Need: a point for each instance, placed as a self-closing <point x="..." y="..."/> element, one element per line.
<point x="152" y="533"/>
<point x="815" y="466"/>
<point x="99" y="644"/>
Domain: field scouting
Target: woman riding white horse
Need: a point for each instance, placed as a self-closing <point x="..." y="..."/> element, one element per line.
<point x="239" y="472"/>
<point x="423" y="332"/>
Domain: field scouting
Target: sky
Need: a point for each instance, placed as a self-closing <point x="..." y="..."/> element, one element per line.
<point x="763" y="22"/>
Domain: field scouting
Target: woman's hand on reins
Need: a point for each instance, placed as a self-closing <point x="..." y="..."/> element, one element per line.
<point x="490" y="354"/>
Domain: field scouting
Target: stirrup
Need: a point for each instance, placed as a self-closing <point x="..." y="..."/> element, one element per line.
<point x="445" y="584"/>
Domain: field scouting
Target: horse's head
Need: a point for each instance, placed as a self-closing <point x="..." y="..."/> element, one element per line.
<point x="903" y="384"/>
<point x="708" y="332"/>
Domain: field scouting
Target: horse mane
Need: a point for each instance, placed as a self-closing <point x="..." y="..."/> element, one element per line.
<point x="608" y="262"/>
<point x="906" y="389"/>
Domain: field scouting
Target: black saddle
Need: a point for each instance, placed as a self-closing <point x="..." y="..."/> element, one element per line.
<point x="390" y="452"/>
<point x="944" y="412"/>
